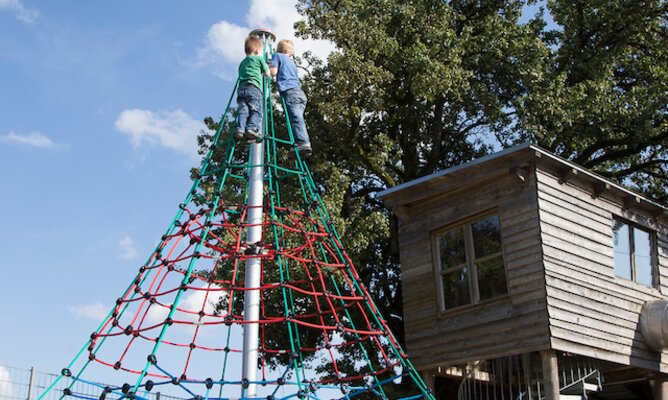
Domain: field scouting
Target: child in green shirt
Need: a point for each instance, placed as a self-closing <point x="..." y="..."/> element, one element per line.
<point x="249" y="93"/>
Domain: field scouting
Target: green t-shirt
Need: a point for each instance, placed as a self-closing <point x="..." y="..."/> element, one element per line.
<point x="251" y="70"/>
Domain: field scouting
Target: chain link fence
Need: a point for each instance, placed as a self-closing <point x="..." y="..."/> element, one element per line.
<point x="28" y="384"/>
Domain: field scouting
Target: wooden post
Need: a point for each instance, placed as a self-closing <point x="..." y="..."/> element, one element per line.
<point x="660" y="386"/>
<point x="550" y="374"/>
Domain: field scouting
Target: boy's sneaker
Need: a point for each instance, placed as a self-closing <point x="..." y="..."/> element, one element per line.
<point x="238" y="135"/>
<point x="305" y="148"/>
<point x="252" y="135"/>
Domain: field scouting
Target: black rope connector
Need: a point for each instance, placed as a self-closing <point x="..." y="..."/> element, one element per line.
<point x="142" y="268"/>
<point x="177" y="223"/>
<point x="67" y="392"/>
<point x="91" y="356"/>
<point x="245" y="383"/>
<point x="182" y="206"/>
<point x="169" y="321"/>
<point x="103" y="395"/>
<point x="226" y="349"/>
<point x="270" y="397"/>
<point x="117" y="365"/>
<point x="119" y="301"/>
<point x="147" y="295"/>
<point x="228" y="320"/>
<point x="152" y="359"/>
<point x="66" y="372"/>
<point x="201" y="314"/>
<point x="130" y="395"/>
<point x="183" y="377"/>
<point x="183" y="287"/>
<point x="175" y="380"/>
<point x="128" y="330"/>
<point x="208" y="382"/>
<point x="125" y="388"/>
<point x="301" y="394"/>
<point x="196" y="254"/>
<point x="280" y="381"/>
<point x="93" y="335"/>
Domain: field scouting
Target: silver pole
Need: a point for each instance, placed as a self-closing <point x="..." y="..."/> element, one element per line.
<point x="253" y="264"/>
<point x="31" y="383"/>
<point x="253" y="270"/>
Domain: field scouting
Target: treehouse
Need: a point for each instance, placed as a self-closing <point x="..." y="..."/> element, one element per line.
<point x="526" y="276"/>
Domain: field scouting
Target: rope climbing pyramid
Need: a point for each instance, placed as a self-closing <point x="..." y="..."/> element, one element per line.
<point x="249" y="293"/>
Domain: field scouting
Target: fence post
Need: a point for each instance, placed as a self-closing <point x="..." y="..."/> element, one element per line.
<point x="31" y="383"/>
<point x="157" y="396"/>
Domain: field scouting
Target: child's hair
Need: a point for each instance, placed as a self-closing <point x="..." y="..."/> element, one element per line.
<point x="251" y="44"/>
<point x="285" y="46"/>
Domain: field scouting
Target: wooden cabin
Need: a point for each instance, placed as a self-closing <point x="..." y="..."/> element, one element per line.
<point x="526" y="276"/>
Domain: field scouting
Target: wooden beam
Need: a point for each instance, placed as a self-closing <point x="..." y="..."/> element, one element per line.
<point x="520" y="174"/>
<point x="631" y="202"/>
<point x="566" y="174"/>
<point x="599" y="189"/>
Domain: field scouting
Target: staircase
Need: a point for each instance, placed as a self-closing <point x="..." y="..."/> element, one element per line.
<point x="520" y="378"/>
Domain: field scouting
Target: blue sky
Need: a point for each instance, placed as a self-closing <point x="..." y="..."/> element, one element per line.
<point x="100" y="104"/>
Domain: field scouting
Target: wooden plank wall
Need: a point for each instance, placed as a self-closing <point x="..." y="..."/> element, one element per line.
<point x="514" y="324"/>
<point x="591" y="311"/>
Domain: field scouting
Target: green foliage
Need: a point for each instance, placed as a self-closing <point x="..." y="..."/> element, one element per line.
<point x="603" y="99"/>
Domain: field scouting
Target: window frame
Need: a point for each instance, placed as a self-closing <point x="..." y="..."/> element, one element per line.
<point x="471" y="261"/>
<point x="632" y="254"/>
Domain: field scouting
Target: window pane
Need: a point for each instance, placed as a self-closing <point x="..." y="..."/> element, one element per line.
<point x="456" y="288"/>
<point x="643" y="256"/>
<point x="491" y="278"/>
<point x="486" y="237"/>
<point x="620" y="236"/>
<point x="453" y="250"/>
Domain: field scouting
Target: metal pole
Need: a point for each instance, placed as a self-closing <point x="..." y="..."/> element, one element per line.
<point x="253" y="270"/>
<point x="253" y="264"/>
<point x="31" y="383"/>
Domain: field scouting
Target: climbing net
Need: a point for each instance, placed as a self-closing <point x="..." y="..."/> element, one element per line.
<point x="177" y="327"/>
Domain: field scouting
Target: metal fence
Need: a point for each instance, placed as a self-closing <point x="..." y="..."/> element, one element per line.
<point x="28" y="384"/>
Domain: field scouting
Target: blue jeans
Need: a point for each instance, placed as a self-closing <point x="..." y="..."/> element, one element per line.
<point x="295" y="101"/>
<point x="249" y="108"/>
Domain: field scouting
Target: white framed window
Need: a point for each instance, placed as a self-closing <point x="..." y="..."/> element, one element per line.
<point x="634" y="250"/>
<point x="469" y="265"/>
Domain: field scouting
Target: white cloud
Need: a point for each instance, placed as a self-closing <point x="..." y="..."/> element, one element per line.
<point x="27" y="15"/>
<point x="225" y="40"/>
<point x="6" y="388"/>
<point x="94" y="311"/>
<point x="174" y="130"/>
<point x="127" y="248"/>
<point x="34" y="139"/>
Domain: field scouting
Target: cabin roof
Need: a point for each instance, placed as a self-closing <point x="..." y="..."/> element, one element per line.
<point x="417" y="184"/>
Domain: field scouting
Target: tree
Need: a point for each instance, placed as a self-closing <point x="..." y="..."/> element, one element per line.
<point x="603" y="99"/>
<point x="414" y="87"/>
